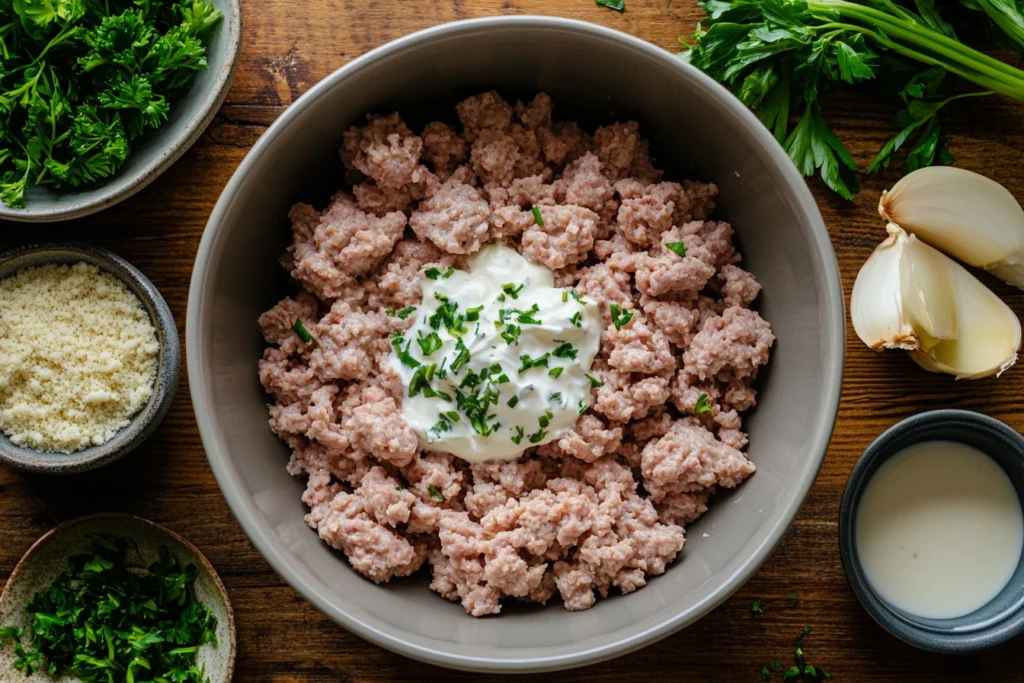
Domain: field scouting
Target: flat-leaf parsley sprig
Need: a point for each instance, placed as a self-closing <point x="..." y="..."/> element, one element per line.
<point x="80" y="80"/>
<point x="782" y="56"/>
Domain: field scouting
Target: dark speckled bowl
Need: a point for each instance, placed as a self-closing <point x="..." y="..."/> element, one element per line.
<point x="1003" y="617"/>
<point x="147" y="419"/>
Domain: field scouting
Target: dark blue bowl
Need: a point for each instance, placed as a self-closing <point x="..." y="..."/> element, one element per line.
<point x="1003" y="617"/>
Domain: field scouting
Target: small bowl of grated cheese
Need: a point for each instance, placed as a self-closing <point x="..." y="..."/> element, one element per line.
<point x="89" y="358"/>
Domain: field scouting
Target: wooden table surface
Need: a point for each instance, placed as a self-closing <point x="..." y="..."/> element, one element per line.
<point x="287" y="47"/>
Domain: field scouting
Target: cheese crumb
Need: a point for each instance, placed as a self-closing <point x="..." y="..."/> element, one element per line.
<point x="78" y="357"/>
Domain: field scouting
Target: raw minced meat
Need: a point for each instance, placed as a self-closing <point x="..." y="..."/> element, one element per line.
<point x="601" y="508"/>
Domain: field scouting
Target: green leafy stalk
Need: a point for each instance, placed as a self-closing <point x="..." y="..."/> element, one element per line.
<point x="783" y="56"/>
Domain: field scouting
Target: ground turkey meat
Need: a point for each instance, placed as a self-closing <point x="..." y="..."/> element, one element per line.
<point x="603" y="507"/>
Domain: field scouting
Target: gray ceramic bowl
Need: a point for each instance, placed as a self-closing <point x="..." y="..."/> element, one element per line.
<point x="697" y="130"/>
<point x="168" y="370"/>
<point x="1003" y="617"/>
<point x="48" y="557"/>
<point x="157" y="150"/>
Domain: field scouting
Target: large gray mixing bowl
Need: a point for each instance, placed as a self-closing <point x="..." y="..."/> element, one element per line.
<point x="697" y="130"/>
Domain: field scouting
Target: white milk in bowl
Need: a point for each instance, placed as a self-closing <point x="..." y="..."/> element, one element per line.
<point x="939" y="529"/>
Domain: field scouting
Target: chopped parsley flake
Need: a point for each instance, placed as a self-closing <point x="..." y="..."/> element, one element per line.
<point x="620" y="316"/>
<point x="430" y="343"/>
<point x="537" y="218"/>
<point x="512" y="403"/>
<point x="513" y="291"/>
<point x="435" y="493"/>
<point x="518" y="437"/>
<point x="756" y="608"/>
<point x="677" y="247"/>
<point x="555" y="372"/>
<point x="565" y="350"/>
<point x="703" y="405"/>
<point x="594" y="382"/>
<point x="539" y="362"/>
<point x="301" y="330"/>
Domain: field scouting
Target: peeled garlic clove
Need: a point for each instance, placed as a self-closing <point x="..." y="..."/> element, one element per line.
<point x="898" y="304"/>
<point x="966" y="215"/>
<point x="911" y="296"/>
<point x="988" y="338"/>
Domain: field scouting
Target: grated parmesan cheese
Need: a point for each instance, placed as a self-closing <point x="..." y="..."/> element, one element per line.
<point x="78" y="357"/>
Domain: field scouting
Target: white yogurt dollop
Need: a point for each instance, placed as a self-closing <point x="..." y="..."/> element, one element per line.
<point x="497" y="359"/>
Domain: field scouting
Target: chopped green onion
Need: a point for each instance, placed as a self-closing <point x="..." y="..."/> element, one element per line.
<point x="617" y="5"/>
<point x="406" y="312"/>
<point x="513" y="291"/>
<point x="473" y="314"/>
<point x="703" y="405"/>
<point x="565" y="296"/>
<point x="511" y="334"/>
<point x="435" y="493"/>
<point x="594" y="382"/>
<point x="301" y="330"/>
<point x="403" y="354"/>
<point x="620" y="316"/>
<point x="565" y="350"/>
<point x="537" y="436"/>
<point x="513" y="401"/>
<point x="537" y="218"/>
<point x="545" y="419"/>
<point x="518" y="437"/>
<point x="461" y="358"/>
<point x="583" y="407"/>
<point x="575" y="319"/>
<point x="555" y="372"/>
<point x="539" y="362"/>
<point x="430" y="343"/>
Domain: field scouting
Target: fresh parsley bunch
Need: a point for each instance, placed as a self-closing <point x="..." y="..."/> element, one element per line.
<point x="105" y="620"/>
<point x="81" y="80"/>
<point x="782" y="56"/>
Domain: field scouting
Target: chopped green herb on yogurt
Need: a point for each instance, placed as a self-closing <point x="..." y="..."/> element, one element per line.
<point x="480" y="395"/>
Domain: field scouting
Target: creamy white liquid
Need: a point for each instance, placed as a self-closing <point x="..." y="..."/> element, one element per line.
<point x="939" y="529"/>
<point x="529" y="407"/>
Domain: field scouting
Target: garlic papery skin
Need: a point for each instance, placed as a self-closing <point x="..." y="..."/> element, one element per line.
<point x="911" y="296"/>
<point x="966" y="215"/>
<point x="901" y="305"/>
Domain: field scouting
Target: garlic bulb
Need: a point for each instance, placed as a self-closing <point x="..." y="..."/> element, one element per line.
<point x="966" y="215"/>
<point x="911" y="296"/>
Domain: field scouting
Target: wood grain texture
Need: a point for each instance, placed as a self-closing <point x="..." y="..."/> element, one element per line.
<point x="287" y="47"/>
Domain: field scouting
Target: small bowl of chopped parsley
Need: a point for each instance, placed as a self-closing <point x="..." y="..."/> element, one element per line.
<point x="99" y="97"/>
<point x="114" y="597"/>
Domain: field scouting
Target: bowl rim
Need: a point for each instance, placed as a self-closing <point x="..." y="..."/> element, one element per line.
<point x="207" y="566"/>
<point x="246" y="512"/>
<point x="121" y="188"/>
<point x="874" y="456"/>
<point x="165" y="384"/>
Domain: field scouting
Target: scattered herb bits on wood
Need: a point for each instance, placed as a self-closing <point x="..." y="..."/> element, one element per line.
<point x="107" y="619"/>
<point x="82" y="80"/>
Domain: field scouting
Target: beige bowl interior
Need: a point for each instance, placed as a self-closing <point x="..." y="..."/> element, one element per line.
<point x="697" y="131"/>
